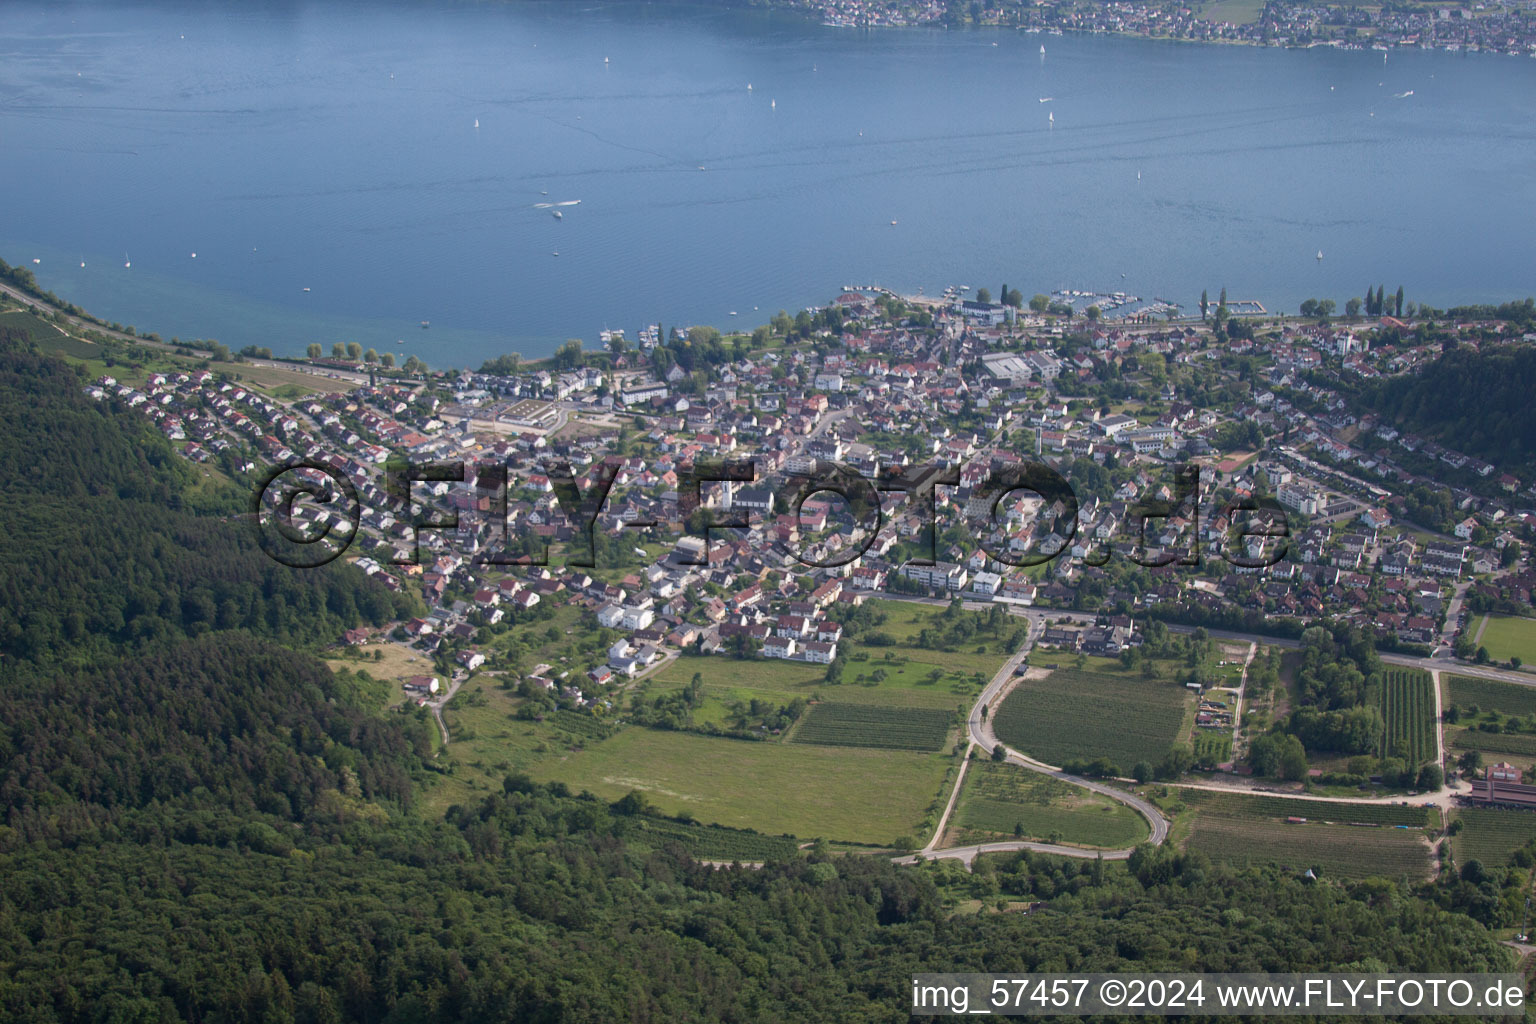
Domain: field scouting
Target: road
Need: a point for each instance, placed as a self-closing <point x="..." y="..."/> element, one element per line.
<point x="979" y="731"/>
<point x="1438" y="663"/>
<point x="436" y="706"/>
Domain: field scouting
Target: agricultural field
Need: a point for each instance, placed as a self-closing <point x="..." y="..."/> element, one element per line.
<point x="1491" y="835"/>
<point x="1331" y="850"/>
<point x="849" y="794"/>
<point x="1467" y="692"/>
<point x="998" y="798"/>
<point x="709" y="842"/>
<point x="868" y="725"/>
<point x="1407" y="705"/>
<point x="1523" y="744"/>
<point x="1508" y="636"/>
<point x="1276" y="809"/>
<point x="1074" y="714"/>
<point x="45" y="334"/>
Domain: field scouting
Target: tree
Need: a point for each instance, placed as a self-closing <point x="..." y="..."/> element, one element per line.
<point x="1093" y="313"/>
<point x="354" y="350"/>
<point x="338" y="351"/>
<point x="371" y="356"/>
<point x="1352" y="307"/>
<point x="1325" y="308"/>
<point x="1205" y="303"/>
<point x="1482" y="656"/>
<point x="314" y="350"/>
<point x="999" y="753"/>
<point x="388" y="359"/>
<point x="1040" y="303"/>
<point x="1399" y="304"/>
<point x="1430" y="778"/>
<point x="983" y="296"/>
<point x="1141" y="771"/>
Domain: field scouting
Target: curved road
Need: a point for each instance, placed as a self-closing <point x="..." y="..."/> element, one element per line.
<point x="980" y="734"/>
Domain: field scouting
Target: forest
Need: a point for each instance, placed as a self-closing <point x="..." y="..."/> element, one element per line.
<point x="205" y="823"/>
<point x="1476" y="402"/>
<point x="109" y="546"/>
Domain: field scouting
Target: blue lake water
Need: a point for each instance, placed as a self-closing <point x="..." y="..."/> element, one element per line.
<point x="332" y="146"/>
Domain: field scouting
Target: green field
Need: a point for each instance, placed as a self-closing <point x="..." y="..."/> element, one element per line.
<point x="707" y="842"/>
<point x="867" y="725"/>
<point x="1332" y="850"/>
<point x="1491" y="835"/>
<point x="1467" y="692"/>
<point x="1508" y="636"/>
<point x="1408" y="708"/>
<point x="45" y="334"/>
<point x="1074" y="715"/>
<point x="997" y="798"/>
<point x="1276" y="809"/>
<point x="1495" y="742"/>
<point x="1238" y="12"/>
<point x="841" y="793"/>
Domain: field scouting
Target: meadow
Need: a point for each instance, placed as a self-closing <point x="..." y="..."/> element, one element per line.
<point x="1508" y="636"/>
<point x="1004" y="801"/>
<point x="849" y="794"/>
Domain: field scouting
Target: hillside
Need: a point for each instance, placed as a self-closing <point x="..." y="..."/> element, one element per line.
<point x="204" y="825"/>
<point x="105" y="547"/>
<point x="1477" y="402"/>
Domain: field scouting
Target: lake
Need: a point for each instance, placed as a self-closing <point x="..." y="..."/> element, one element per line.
<point x="322" y="161"/>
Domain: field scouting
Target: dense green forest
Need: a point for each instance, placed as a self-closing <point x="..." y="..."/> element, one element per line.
<point x="203" y="824"/>
<point x="1477" y="402"/>
<point x="106" y="546"/>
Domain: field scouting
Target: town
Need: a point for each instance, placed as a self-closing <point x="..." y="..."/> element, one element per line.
<point x="1508" y="28"/>
<point x="1227" y="491"/>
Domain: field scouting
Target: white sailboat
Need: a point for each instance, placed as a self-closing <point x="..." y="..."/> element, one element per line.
<point x="1042" y="49"/>
<point x="1051" y="118"/>
<point x="1319" y="255"/>
<point x="477" y="122"/>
